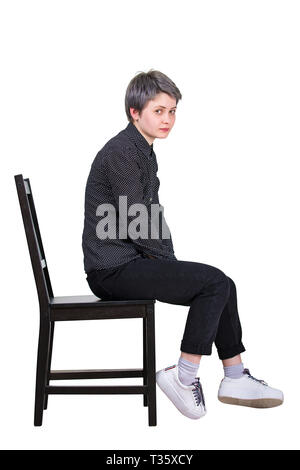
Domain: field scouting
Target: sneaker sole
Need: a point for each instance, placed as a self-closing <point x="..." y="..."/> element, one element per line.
<point x="173" y="397"/>
<point x="253" y="403"/>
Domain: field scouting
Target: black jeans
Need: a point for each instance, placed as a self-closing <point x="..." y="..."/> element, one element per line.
<point x="211" y="295"/>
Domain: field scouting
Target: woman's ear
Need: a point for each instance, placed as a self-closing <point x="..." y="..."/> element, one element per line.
<point x="134" y="113"/>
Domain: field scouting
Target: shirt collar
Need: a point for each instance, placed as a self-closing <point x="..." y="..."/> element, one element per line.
<point x="139" y="140"/>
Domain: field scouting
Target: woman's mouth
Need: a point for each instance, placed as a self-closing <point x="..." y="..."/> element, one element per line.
<point x="165" y="129"/>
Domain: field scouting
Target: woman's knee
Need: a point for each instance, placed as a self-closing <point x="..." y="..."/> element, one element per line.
<point x="221" y="282"/>
<point x="232" y="286"/>
<point x="231" y="283"/>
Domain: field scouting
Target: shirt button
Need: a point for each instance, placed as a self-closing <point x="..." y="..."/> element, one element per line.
<point x="150" y="199"/>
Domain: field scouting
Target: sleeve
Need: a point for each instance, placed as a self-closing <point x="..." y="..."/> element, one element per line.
<point x="125" y="178"/>
<point x="168" y="242"/>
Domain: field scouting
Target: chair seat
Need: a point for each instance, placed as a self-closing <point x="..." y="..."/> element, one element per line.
<point x="91" y="301"/>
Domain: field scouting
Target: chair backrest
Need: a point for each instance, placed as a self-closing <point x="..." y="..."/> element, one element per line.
<point x="34" y="240"/>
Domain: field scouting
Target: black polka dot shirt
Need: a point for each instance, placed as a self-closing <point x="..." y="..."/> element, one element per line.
<point x="125" y="166"/>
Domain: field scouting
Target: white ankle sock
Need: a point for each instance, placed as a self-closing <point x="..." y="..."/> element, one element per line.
<point x="187" y="371"/>
<point x="234" y="372"/>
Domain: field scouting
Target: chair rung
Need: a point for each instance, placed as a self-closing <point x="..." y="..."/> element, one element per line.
<point x="95" y="374"/>
<point x="95" y="389"/>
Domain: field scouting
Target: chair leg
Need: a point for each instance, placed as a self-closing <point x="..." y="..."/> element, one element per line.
<point x="145" y="373"/>
<point x="49" y="361"/>
<point x="41" y="370"/>
<point x="151" y="368"/>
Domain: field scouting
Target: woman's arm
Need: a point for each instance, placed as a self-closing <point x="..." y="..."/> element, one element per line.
<point x="124" y="176"/>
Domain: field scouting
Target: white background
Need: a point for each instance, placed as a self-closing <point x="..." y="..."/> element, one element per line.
<point x="65" y="66"/>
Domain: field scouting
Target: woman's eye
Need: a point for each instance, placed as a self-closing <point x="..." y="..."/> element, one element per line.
<point x="172" y="111"/>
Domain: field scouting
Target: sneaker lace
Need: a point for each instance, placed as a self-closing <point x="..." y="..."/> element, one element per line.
<point x="198" y="392"/>
<point x="247" y="372"/>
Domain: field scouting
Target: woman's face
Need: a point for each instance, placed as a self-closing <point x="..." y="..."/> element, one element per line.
<point x="157" y="118"/>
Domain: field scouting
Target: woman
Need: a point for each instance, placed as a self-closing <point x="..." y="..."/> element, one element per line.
<point x="132" y="257"/>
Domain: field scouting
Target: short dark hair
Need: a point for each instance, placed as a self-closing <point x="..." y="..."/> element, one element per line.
<point x="145" y="86"/>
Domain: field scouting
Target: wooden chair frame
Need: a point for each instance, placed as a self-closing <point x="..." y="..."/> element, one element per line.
<point x="81" y="307"/>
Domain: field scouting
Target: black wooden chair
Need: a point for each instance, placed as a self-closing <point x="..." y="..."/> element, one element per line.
<point x="81" y="307"/>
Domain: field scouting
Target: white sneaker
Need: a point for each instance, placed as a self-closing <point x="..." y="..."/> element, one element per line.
<point x="188" y="399"/>
<point x="249" y="391"/>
